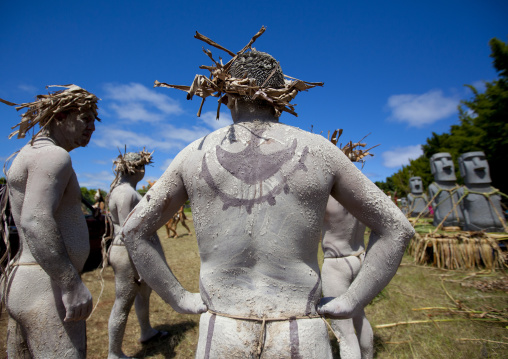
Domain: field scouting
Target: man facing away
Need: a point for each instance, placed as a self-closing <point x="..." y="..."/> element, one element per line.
<point x="129" y="288"/>
<point x="46" y="300"/>
<point x="258" y="192"/>
<point x="344" y="252"/>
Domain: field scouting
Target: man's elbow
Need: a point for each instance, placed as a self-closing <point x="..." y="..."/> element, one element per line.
<point x="407" y="231"/>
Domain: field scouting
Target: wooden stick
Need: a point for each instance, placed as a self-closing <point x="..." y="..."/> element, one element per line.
<point x="390" y="325"/>
<point x="481" y="340"/>
<point x="212" y="43"/>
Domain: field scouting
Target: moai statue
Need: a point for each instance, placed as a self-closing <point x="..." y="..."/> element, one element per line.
<point x="482" y="204"/>
<point x="404" y="207"/>
<point x="444" y="191"/>
<point x="417" y="199"/>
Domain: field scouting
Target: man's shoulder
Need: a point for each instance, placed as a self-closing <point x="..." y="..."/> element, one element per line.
<point x="41" y="155"/>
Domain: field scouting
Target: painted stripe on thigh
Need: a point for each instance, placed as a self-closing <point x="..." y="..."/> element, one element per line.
<point x="294" y="340"/>
<point x="209" y="336"/>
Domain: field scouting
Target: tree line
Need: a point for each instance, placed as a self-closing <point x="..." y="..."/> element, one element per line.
<point x="483" y="126"/>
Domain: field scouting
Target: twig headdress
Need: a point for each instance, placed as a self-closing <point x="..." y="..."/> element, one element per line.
<point x="222" y="81"/>
<point x="353" y="151"/>
<point x="43" y="110"/>
<point x="128" y="163"/>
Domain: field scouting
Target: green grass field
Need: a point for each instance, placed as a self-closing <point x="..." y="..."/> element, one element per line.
<point x="473" y="323"/>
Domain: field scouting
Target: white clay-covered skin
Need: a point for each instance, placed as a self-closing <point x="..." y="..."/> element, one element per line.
<point x="343" y="248"/>
<point x="258" y="191"/>
<point x="129" y="288"/>
<point x="46" y="300"/>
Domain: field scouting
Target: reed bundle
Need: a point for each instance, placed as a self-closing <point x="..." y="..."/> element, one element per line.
<point x="462" y="250"/>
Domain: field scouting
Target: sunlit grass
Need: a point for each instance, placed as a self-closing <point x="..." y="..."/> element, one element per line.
<point x="412" y="288"/>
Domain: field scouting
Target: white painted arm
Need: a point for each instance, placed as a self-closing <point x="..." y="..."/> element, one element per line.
<point x="390" y="233"/>
<point x="139" y="231"/>
<point x="44" y="191"/>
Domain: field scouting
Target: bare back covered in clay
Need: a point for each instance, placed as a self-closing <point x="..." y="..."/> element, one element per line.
<point x="258" y="193"/>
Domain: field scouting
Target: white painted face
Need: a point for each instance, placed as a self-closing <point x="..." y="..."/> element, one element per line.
<point x="416" y="185"/>
<point x="140" y="173"/>
<point x="474" y="168"/>
<point x="78" y="128"/>
<point x="441" y="165"/>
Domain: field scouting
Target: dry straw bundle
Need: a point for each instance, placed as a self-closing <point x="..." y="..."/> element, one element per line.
<point x="221" y="82"/>
<point x="128" y="163"/>
<point x="353" y="151"/>
<point x="43" y="110"/>
<point x="461" y="250"/>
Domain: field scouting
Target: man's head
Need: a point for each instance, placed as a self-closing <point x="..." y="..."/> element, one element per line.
<point x="132" y="163"/>
<point x="65" y="107"/>
<point x="441" y="166"/>
<point x="416" y="185"/>
<point x="260" y="66"/>
<point x="72" y="129"/>
<point x="474" y="168"/>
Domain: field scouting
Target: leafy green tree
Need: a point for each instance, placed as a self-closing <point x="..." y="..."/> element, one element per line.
<point x="89" y="194"/>
<point x="483" y="126"/>
<point x="486" y="115"/>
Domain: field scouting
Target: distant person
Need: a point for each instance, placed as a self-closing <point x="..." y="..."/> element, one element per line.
<point x="258" y="193"/>
<point x="344" y="252"/>
<point x="129" y="287"/>
<point x="46" y="300"/>
<point x="179" y="217"/>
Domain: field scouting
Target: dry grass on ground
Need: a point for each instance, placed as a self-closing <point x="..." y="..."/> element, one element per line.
<point x="462" y="336"/>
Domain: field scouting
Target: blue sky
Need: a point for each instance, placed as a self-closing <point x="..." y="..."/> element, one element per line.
<point x="395" y="69"/>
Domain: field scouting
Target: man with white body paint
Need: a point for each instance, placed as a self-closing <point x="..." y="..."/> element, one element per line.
<point x="46" y="300"/>
<point x="344" y="252"/>
<point x="258" y="192"/>
<point x="129" y="288"/>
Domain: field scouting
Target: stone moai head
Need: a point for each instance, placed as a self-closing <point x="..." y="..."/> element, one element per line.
<point x="416" y="185"/>
<point x="474" y="168"/>
<point x="403" y="202"/>
<point x="441" y="166"/>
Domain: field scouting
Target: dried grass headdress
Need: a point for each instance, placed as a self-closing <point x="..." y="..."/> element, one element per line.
<point x="221" y="82"/>
<point x="127" y="164"/>
<point x="43" y="110"/>
<point x="129" y="161"/>
<point x="353" y="151"/>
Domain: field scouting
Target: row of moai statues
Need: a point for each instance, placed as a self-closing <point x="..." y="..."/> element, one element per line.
<point x="476" y="206"/>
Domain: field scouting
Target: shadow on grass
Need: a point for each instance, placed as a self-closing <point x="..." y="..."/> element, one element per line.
<point x="379" y="347"/>
<point x="166" y="347"/>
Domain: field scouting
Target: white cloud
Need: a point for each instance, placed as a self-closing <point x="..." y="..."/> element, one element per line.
<point x="28" y="88"/>
<point x="112" y="137"/>
<point x="401" y="155"/>
<point x="136" y="102"/>
<point x="100" y="180"/>
<point x="209" y="118"/>
<point x="421" y="110"/>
